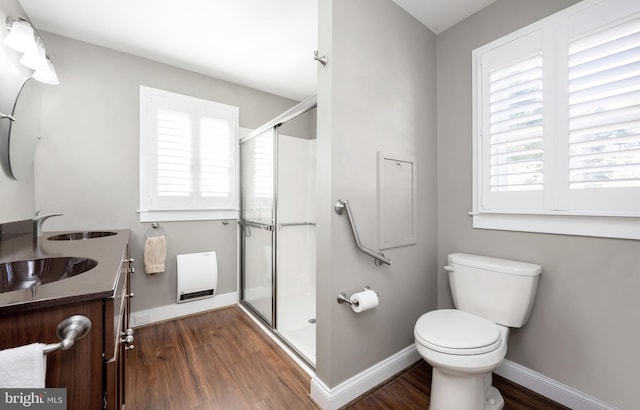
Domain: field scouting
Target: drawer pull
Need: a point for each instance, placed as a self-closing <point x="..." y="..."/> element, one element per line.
<point x="128" y="339"/>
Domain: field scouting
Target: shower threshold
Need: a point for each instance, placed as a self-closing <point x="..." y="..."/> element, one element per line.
<point x="306" y="363"/>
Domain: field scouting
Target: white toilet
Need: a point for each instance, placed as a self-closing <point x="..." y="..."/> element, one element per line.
<point x="466" y="344"/>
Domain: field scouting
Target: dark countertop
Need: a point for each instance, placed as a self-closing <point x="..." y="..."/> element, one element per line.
<point x="96" y="283"/>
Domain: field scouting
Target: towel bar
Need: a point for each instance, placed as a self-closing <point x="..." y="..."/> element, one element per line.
<point x="69" y="331"/>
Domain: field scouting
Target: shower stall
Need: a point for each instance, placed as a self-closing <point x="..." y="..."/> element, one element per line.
<point x="277" y="227"/>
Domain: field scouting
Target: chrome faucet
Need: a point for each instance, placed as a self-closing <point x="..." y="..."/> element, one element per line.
<point x="38" y="220"/>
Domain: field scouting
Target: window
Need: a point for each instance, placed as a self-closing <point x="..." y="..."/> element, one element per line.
<point x="188" y="151"/>
<point x="557" y="124"/>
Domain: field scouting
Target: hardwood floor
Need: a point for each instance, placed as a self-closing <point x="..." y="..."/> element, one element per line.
<point x="410" y="390"/>
<point x="222" y="360"/>
<point x="216" y="360"/>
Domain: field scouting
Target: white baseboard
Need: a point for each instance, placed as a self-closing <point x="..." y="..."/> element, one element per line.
<point x="334" y="398"/>
<point x="167" y="312"/>
<point x="550" y="388"/>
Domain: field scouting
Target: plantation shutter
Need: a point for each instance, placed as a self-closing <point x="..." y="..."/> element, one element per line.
<point x="191" y="164"/>
<point x="515" y="123"/>
<point x="604" y="108"/>
<point x="512" y="133"/>
<point x="603" y="79"/>
<point x="216" y="158"/>
<point x="174" y="154"/>
<point x="556" y="136"/>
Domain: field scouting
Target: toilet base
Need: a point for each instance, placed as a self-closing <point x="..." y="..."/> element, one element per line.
<point x="493" y="400"/>
<point x="463" y="392"/>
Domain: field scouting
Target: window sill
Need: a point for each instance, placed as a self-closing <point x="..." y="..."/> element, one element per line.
<point x="598" y="226"/>
<point x="187" y="215"/>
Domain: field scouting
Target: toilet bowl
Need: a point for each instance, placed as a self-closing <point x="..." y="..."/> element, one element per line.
<point x="463" y="350"/>
<point x="464" y="345"/>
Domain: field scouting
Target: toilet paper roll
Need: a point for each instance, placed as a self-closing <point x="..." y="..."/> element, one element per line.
<point x="365" y="300"/>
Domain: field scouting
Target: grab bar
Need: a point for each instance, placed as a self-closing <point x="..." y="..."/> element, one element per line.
<point x="340" y="207"/>
<point x="69" y="331"/>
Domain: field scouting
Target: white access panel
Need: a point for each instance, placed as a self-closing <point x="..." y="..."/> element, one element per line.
<point x="397" y="201"/>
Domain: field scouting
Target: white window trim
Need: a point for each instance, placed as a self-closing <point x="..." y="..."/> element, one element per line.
<point x="187" y="215"/>
<point x="593" y="224"/>
<point x="580" y="225"/>
<point x="164" y="215"/>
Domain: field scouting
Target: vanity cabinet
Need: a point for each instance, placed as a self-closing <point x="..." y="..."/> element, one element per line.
<point x="93" y="369"/>
<point x="78" y="369"/>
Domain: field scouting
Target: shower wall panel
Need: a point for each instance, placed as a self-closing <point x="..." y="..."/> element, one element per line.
<point x="296" y="244"/>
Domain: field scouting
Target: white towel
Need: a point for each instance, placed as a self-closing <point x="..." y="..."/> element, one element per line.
<point x="155" y="254"/>
<point x="23" y="367"/>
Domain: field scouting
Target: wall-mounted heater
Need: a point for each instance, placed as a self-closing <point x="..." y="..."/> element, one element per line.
<point x="197" y="276"/>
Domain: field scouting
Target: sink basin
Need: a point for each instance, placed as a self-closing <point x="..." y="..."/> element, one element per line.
<point x="81" y="235"/>
<point x="26" y="274"/>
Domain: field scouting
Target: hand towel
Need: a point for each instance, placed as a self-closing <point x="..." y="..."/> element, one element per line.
<point x="155" y="254"/>
<point x="23" y="367"/>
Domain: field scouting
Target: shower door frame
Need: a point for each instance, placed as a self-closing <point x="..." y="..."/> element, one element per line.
<point x="291" y="114"/>
<point x="272" y="228"/>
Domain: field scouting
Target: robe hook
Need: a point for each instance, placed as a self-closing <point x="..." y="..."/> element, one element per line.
<point x="321" y="59"/>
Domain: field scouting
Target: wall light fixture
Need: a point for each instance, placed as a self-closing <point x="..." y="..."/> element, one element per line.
<point x="23" y="37"/>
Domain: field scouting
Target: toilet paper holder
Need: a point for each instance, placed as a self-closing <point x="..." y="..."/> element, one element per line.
<point x="342" y="297"/>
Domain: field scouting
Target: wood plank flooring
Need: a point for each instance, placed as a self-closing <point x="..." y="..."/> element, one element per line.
<point x="410" y="390"/>
<point x="222" y="360"/>
<point x="216" y="360"/>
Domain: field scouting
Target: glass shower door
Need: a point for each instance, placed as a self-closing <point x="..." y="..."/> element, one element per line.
<point x="257" y="225"/>
<point x="277" y="220"/>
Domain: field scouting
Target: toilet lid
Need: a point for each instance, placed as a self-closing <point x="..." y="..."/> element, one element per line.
<point x="456" y="332"/>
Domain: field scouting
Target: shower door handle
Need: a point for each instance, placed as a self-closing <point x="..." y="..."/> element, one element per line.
<point x="257" y="225"/>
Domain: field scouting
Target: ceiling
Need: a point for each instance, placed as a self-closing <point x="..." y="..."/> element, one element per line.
<point x="267" y="45"/>
<point x="439" y="15"/>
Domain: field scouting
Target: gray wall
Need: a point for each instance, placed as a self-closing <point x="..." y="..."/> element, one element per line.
<point x="18" y="197"/>
<point x="88" y="163"/>
<point x="584" y="327"/>
<point x="376" y="94"/>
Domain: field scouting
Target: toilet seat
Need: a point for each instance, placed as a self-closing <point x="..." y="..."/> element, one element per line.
<point x="456" y="332"/>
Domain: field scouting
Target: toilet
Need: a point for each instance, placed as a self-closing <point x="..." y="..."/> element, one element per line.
<point x="464" y="345"/>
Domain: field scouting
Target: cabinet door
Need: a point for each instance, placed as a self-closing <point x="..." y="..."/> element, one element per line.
<point x="117" y="343"/>
<point x="115" y="377"/>
<point x="78" y="369"/>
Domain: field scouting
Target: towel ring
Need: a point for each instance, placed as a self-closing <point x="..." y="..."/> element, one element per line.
<point x="154" y="231"/>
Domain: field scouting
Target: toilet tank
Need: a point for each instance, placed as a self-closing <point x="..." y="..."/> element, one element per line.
<point x="500" y="290"/>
